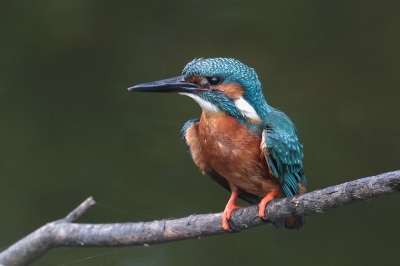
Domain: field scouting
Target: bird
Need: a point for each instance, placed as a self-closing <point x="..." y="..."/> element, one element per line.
<point x="245" y="145"/>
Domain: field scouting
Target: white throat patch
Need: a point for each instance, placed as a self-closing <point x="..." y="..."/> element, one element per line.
<point x="246" y="109"/>
<point x="241" y="104"/>
<point x="206" y="106"/>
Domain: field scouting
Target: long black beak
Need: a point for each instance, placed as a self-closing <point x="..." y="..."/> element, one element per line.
<point x="176" y="84"/>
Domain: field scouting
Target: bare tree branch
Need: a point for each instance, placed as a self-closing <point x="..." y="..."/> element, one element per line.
<point x="64" y="233"/>
<point x="80" y="210"/>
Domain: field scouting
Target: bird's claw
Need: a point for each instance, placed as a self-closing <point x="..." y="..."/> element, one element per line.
<point x="226" y="215"/>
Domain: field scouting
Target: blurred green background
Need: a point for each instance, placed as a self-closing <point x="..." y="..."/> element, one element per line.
<point x="70" y="129"/>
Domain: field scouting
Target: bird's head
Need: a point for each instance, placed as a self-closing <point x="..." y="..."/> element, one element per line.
<point x="217" y="85"/>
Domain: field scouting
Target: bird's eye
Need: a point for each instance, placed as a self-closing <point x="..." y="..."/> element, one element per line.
<point x="214" y="81"/>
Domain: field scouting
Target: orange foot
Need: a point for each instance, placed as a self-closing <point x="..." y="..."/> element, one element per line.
<point x="230" y="207"/>
<point x="261" y="206"/>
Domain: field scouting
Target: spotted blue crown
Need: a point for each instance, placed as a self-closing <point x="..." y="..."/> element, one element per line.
<point x="231" y="70"/>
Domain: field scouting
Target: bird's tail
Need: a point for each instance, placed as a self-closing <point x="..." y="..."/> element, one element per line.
<point x="295" y="223"/>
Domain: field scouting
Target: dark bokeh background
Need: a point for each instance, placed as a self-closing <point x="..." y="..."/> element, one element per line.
<point x="70" y="129"/>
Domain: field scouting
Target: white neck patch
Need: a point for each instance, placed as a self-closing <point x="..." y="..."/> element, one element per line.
<point x="246" y="109"/>
<point x="206" y="106"/>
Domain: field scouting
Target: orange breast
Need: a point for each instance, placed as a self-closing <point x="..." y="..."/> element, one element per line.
<point x="232" y="151"/>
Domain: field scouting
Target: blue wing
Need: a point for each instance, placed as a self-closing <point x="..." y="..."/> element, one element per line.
<point x="186" y="126"/>
<point x="192" y="125"/>
<point x="283" y="152"/>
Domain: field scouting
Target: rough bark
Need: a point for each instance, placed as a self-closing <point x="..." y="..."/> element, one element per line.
<point x="65" y="233"/>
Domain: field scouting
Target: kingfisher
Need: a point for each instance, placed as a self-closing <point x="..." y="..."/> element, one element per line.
<point x="248" y="147"/>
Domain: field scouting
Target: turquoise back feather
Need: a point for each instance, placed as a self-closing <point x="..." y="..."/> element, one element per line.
<point x="284" y="151"/>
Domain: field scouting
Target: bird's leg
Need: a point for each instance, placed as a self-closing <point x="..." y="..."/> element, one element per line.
<point x="230" y="207"/>
<point x="261" y="206"/>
